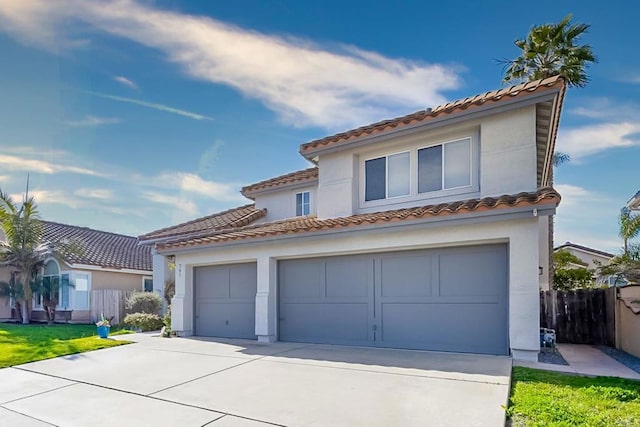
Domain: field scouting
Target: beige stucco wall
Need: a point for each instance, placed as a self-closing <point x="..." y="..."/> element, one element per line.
<point x="588" y="258"/>
<point x="5" y="308"/>
<point x="112" y="280"/>
<point x="628" y="323"/>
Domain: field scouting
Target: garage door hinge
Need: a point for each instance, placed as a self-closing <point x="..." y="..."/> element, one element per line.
<point x="374" y="327"/>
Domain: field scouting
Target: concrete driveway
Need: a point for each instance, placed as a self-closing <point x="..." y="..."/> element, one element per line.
<point x="195" y="382"/>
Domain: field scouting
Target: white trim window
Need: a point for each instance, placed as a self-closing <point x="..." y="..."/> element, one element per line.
<point x="147" y="284"/>
<point x="444" y="166"/>
<point x="81" y="290"/>
<point x="303" y="203"/>
<point x="387" y="177"/>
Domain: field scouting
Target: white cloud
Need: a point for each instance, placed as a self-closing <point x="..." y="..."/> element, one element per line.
<point x="304" y="83"/>
<point x="180" y="207"/>
<point x="95" y="193"/>
<point x="151" y="105"/>
<point x="126" y="82"/>
<point x="587" y="218"/>
<point x="586" y="140"/>
<point x="18" y="163"/>
<point x="194" y="184"/>
<point x="91" y="121"/>
<point x="604" y="108"/>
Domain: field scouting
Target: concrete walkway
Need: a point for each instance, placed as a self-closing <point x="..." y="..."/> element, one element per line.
<point x="585" y="360"/>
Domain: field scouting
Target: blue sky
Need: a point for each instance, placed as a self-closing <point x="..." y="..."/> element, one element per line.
<point x="134" y="115"/>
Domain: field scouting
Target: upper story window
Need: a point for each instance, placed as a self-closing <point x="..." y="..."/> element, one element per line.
<point x="436" y="171"/>
<point x="147" y="284"/>
<point x="388" y="176"/>
<point x="444" y="166"/>
<point x="303" y="203"/>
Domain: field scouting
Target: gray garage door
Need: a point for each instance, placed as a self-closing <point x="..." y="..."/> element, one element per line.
<point x="452" y="299"/>
<point x="225" y="298"/>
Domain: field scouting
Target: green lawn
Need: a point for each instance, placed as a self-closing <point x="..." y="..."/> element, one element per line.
<point x="28" y="343"/>
<point x="541" y="398"/>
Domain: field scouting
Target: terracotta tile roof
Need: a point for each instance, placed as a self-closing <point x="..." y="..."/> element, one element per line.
<point x="305" y="175"/>
<point x="487" y="98"/>
<point x="100" y="248"/>
<point x="236" y="217"/>
<point x="584" y="248"/>
<point x="545" y="196"/>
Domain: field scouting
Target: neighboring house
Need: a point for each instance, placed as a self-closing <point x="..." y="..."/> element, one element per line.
<point x="591" y="258"/>
<point x="105" y="261"/>
<point x="427" y="231"/>
<point x="634" y="202"/>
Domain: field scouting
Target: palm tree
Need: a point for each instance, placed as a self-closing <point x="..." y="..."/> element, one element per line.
<point x="22" y="248"/>
<point x="549" y="50"/>
<point x="629" y="227"/>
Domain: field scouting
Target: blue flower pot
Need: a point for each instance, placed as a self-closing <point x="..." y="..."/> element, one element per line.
<point x="103" y="331"/>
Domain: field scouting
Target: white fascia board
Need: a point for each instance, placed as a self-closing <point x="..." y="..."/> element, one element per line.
<point x="110" y="270"/>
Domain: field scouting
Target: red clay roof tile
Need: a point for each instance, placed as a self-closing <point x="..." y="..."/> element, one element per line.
<point x="544" y="196"/>
<point x="305" y="175"/>
<point x="495" y="96"/>
<point x="236" y="217"/>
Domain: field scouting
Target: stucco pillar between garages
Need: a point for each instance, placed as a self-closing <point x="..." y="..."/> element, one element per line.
<point x="182" y="302"/>
<point x="524" y="299"/>
<point x="266" y="301"/>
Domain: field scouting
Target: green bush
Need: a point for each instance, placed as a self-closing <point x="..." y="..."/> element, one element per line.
<point x="167" y="321"/>
<point x="143" y="321"/>
<point x="144" y="302"/>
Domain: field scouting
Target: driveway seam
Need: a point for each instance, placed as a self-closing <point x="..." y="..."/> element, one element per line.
<point x="40" y="393"/>
<point x="195" y="353"/>
<point x="225" y="369"/>
<point x="387" y="373"/>
<point x="149" y="396"/>
<point x="28" y="416"/>
<point x="210" y="423"/>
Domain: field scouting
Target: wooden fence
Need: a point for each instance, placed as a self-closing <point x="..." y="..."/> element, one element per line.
<point x="581" y="316"/>
<point x="109" y="302"/>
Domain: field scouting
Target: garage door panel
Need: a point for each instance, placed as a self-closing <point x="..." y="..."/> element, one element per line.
<point x="406" y="276"/>
<point x="444" y="327"/>
<point x="213" y="282"/>
<point x="225" y="300"/>
<point x="348" y="278"/>
<point x="302" y="279"/>
<point x="242" y="282"/>
<point x="324" y="322"/>
<point x="472" y="273"/>
<point x="227" y="320"/>
<point x="450" y="299"/>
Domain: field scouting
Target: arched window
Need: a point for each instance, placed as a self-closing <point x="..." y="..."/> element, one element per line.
<point x="51" y="268"/>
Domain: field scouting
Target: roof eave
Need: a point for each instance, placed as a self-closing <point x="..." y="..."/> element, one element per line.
<point x="471" y="112"/>
<point x="545" y="208"/>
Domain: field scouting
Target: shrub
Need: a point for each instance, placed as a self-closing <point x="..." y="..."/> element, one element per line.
<point x="167" y="322"/>
<point x="144" y="302"/>
<point x="143" y="321"/>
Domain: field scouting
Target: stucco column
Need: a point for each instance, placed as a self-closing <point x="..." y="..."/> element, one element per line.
<point x="266" y="301"/>
<point x="182" y="302"/>
<point x="160" y="276"/>
<point x="524" y="299"/>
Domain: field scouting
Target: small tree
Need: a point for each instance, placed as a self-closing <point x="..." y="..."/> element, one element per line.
<point x="566" y="277"/>
<point x="629" y="227"/>
<point x="549" y="50"/>
<point x="12" y="290"/>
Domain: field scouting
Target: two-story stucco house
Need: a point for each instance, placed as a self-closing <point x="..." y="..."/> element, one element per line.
<point x="427" y="231"/>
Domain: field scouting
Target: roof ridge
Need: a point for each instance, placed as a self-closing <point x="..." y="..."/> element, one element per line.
<point x="79" y="227"/>
<point x="250" y="187"/>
